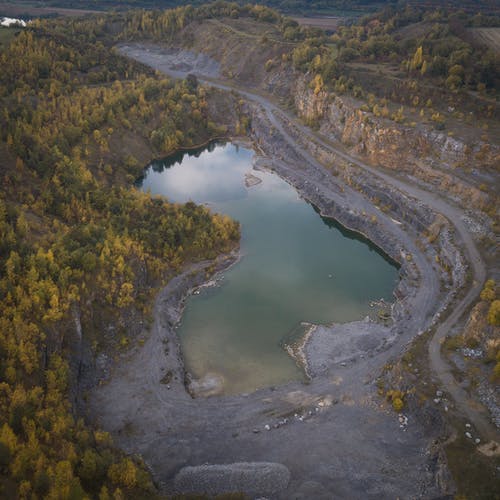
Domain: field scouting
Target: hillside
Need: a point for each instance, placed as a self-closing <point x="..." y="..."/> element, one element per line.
<point x="81" y="251"/>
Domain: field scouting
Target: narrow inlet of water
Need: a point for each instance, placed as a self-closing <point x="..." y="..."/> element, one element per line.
<point x="296" y="267"/>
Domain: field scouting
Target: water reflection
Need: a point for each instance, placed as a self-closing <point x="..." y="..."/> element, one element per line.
<point x="296" y="267"/>
<point x="209" y="175"/>
<point x="354" y="235"/>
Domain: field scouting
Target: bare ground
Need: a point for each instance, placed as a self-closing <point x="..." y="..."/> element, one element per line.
<point x="325" y="23"/>
<point x="333" y="435"/>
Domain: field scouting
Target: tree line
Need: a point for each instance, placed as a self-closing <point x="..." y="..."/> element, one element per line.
<point x="79" y="243"/>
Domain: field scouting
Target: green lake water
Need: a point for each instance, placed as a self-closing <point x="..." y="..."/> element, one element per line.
<point x="295" y="267"/>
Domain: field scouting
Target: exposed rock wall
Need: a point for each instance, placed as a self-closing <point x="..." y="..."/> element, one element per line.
<point x="428" y="155"/>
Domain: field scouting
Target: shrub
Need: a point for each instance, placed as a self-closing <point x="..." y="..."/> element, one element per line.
<point x="396" y="398"/>
<point x="496" y="371"/>
<point x="494" y="313"/>
<point x="5" y="455"/>
<point x="397" y="404"/>
<point x="488" y="292"/>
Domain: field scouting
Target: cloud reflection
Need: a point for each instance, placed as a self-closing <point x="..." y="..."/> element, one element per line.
<point x="213" y="176"/>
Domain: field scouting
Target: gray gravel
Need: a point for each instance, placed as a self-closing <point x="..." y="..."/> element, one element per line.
<point x="334" y="436"/>
<point x="177" y="62"/>
<point x="330" y="346"/>
<point x="254" y="478"/>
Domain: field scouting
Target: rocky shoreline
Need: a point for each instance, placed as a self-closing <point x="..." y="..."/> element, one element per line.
<point x="169" y="390"/>
<point x="350" y="448"/>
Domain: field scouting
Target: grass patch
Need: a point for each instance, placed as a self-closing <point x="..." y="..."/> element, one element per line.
<point x="475" y="474"/>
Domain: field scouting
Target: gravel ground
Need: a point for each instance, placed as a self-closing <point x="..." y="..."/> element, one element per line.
<point x="254" y="478"/>
<point x="333" y="436"/>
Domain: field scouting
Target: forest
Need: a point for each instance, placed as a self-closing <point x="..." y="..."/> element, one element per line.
<point x="442" y="52"/>
<point x="79" y="245"/>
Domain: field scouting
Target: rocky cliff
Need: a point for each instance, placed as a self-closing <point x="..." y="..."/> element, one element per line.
<point x="429" y="155"/>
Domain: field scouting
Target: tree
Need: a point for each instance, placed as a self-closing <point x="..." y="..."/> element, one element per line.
<point x="488" y="292"/>
<point x="192" y="83"/>
<point x="417" y="60"/>
<point x="123" y="473"/>
<point x="494" y="313"/>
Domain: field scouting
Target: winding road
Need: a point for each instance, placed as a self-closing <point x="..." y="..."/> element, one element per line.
<point x="454" y="215"/>
<point x="346" y="447"/>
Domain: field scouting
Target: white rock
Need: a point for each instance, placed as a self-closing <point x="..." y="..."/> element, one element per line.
<point x="468" y="426"/>
<point x="267" y="427"/>
<point x="468" y="435"/>
<point x="477" y="440"/>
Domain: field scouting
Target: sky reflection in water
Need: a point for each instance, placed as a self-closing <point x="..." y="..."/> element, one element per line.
<point x="296" y="267"/>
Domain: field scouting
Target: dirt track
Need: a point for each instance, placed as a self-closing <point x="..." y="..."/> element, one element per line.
<point x="332" y="435"/>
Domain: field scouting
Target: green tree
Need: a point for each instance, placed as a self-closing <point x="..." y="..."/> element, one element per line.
<point x="494" y="313"/>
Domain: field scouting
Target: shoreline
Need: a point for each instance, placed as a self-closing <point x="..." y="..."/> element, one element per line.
<point x="296" y="350"/>
<point x="173" y="432"/>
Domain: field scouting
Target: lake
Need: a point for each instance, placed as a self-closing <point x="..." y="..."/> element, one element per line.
<point x="295" y="267"/>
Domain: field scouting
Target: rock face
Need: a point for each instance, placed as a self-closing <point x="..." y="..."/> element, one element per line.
<point x="251" y="478"/>
<point x="427" y="154"/>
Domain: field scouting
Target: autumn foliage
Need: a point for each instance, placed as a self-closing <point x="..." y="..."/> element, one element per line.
<point x="80" y="247"/>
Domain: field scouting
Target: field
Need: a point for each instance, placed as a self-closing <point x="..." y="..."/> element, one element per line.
<point x="487" y="36"/>
<point x="414" y="30"/>
<point x="325" y="23"/>
<point x="469" y="6"/>
<point x="28" y="9"/>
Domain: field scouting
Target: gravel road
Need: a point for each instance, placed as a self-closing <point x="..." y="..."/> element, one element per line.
<point x="332" y="435"/>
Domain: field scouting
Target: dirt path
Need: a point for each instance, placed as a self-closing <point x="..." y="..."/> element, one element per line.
<point x="243" y="34"/>
<point x="333" y="436"/>
<point x="454" y="215"/>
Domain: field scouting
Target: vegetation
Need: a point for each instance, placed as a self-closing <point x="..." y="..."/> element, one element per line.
<point x="80" y="246"/>
<point x="441" y="52"/>
<point x="6" y="35"/>
<point x="289" y="6"/>
<point x="396" y="398"/>
<point x="491" y="295"/>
